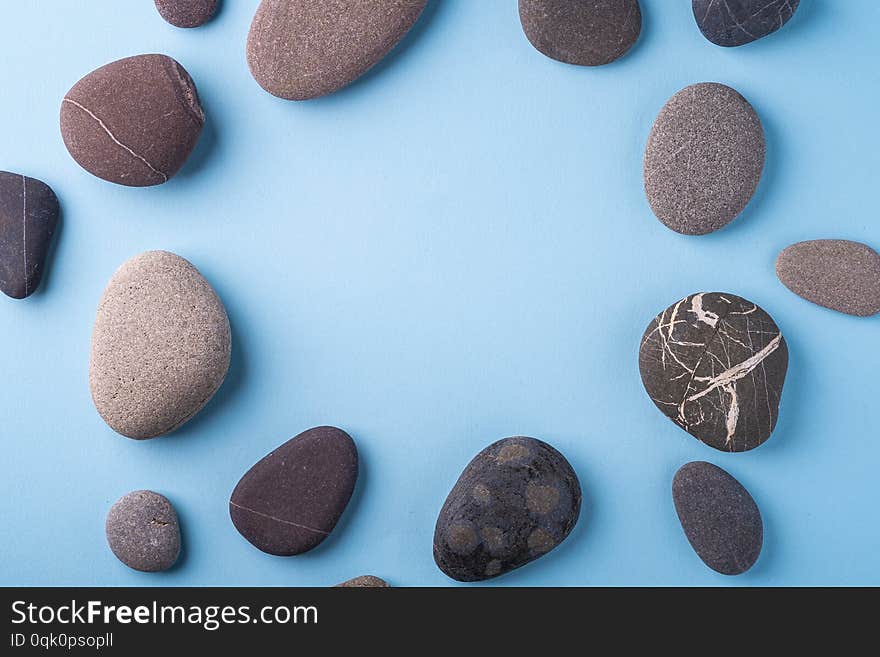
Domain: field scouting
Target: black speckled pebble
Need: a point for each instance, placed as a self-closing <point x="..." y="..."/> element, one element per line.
<point x="584" y="33"/>
<point x="515" y="501"/>
<point x="291" y="500"/>
<point x="143" y="531"/>
<point x="837" y="274"/>
<point x="715" y="365"/>
<point x="737" y="22"/>
<point x="187" y="13"/>
<point x="28" y="217"/>
<point x="364" y="582"/>
<point x="719" y="517"/>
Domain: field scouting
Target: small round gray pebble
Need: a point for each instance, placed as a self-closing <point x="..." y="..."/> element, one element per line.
<point x="364" y="582"/>
<point x="143" y="531"/>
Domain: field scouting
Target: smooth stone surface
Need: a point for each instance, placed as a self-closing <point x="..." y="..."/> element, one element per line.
<point x="28" y="217"/>
<point x="715" y="364"/>
<point x="291" y="500"/>
<point x="143" y="531"/>
<point x="300" y="49"/>
<point x="187" y="13"/>
<point x="134" y="121"/>
<point x="837" y="274"/>
<point x="704" y="158"/>
<point x="719" y="517"/>
<point x="584" y="33"/>
<point x="515" y="501"/>
<point x="737" y="22"/>
<point x="364" y="581"/>
<point x="160" y="346"/>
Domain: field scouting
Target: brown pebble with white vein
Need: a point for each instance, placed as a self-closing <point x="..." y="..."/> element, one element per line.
<point x="134" y="121"/>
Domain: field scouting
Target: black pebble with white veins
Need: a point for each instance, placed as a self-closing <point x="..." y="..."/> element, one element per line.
<point x="28" y="217"/>
<point x="737" y="22"/>
<point x="715" y="364"/>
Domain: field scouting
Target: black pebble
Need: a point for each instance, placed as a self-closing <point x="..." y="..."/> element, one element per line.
<point x="737" y="22"/>
<point x="28" y="217"/>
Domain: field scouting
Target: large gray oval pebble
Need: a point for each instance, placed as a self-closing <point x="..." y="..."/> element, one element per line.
<point x="719" y="517"/>
<point x="301" y="49"/>
<point x="160" y="345"/>
<point x="704" y="158"/>
<point x="837" y="274"/>
<point x="515" y="501"/>
<point x="143" y="531"/>
<point x="715" y="363"/>
<point x="584" y="33"/>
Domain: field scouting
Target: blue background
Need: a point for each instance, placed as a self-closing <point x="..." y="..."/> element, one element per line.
<point x="455" y="249"/>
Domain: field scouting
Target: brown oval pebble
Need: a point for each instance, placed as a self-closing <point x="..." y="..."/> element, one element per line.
<point x="134" y="121"/>
<point x="837" y="274"/>
<point x="300" y="49"/>
<point x="704" y="158"/>
<point x="187" y="13"/>
<point x="160" y="346"/>
<point x="583" y="33"/>
<point x="363" y="582"/>
<point x="291" y="500"/>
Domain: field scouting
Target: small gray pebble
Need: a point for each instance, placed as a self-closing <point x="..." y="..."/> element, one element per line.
<point x="363" y="582"/>
<point x="837" y="274"/>
<point x="719" y="517"/>
<point x="704" y="158"/>
<point x="143" y="531"/>
<point x="187" y="13"/>
<point x="737" y="22"/>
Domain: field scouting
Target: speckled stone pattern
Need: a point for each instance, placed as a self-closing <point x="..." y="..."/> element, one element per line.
<point x="719" y="517"/>
<point x="704" y="158"/>
<point x="737" y="22"/>
<point x="515" y="501"/>
<point x="143" y="531"/>
<point x="364" y="582"/>
<point x="300" y="49"/>
<point x="134" y="121"/>
<point x="837" y="274"/>
<point x="160" y="346"/>
<point x="715" y="364"/>
<point x="187" y="13"/>
<point x="28" y="216"/>
<point x="291" y="500"/>
<point x="586" y="33"/>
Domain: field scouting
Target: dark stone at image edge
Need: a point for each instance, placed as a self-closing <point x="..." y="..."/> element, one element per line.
<point x="738" y="22"/>
<point x="187" y="13"/>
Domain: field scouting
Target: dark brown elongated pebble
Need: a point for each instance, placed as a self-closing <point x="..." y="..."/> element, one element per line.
<point x="584" y="33"/>
<point x="187" y="13"/>
<point x="28" y="217"/>
<point x="134" y="121"/>
<point x="704" y="158"/>
<point x="719" y="517"/>
<point x="715" y="365"/>
<point x="737" y="22"/>
<point x="837" y="274"/>
<point x="364" y="581"/>
<point x="515" y="501"/>
<point x="290" y="501"/>
<point x="143" y="531"/>
<point x="301" y="49"/>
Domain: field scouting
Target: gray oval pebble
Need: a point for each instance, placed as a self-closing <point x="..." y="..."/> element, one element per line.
<point x="301" y="49"/>
<point x="143" y="531"/>
<point x="160" y="345"/>
<point x="515" y="501"/>
<point x="363" y="582"/>
<point x="837" y="274"/>
<point x="704" y="158"/>
<point x="187" y="13"/>
<point x="583" y="33"/>
<point x="719" y="517"/>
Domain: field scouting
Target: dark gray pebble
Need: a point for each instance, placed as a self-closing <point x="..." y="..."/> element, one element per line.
<point x="737" y="22"/>
<point x="515" y="501"/>
<point x="719" y="517"/>
<point x="584" y="33"/>
<point x="715" y="365"/>
<point x="187" y="13"/>
<point x="28" y="217"/>
<point x="837" y="274"/>
<point x="291" y="500"/>
<point x="364" y="582"/>
<point x="143" y="531"/>
<point x="704" y="158"/>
